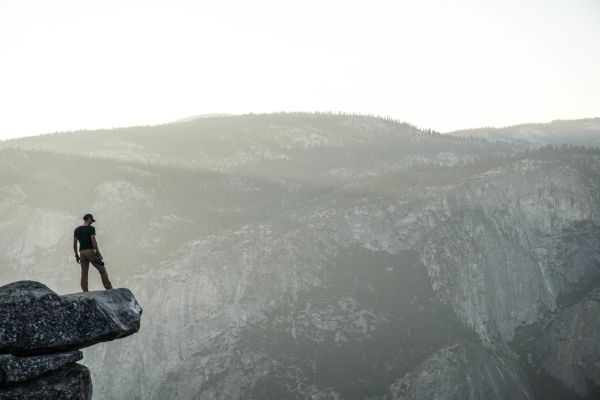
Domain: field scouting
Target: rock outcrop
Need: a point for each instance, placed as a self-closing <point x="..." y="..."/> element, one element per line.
<point x="72" y="382"/>
<point x="20" y="369"/>
<point x="463" y="371"/>
<point x="569" y="347"/>
<point x="41" y="332"/>
<point x="37" y="321"/>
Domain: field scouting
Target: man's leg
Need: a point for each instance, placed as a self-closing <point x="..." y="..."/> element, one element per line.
<point x="85" y="266"/>
<point x="103" y="275"/>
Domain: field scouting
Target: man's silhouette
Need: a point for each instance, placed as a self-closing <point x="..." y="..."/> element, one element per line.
<point x="88" y="252"/>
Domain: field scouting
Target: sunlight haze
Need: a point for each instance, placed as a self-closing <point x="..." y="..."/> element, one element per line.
<point x="69" y="65"/>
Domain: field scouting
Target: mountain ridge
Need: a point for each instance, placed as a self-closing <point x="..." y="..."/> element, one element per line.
<point x="248" y="263"/>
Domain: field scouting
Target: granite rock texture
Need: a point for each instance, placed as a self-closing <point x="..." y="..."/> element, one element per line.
<point x="463" y="371"/>
<point x="20" y="369"/>
<point x="495" y="247"/>
<point x="569" y="348"/>
<point x="38" y="321"/>
<point x="72" y="382"/>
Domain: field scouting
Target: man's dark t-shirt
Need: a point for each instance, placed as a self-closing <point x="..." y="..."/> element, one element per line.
<point x="84" y="235"/>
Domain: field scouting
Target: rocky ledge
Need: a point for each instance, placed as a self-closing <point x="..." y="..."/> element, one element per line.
<point x="41" y="333"/>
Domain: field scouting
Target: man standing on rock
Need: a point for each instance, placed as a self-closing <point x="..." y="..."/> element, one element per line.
<point x="88" y="252"/>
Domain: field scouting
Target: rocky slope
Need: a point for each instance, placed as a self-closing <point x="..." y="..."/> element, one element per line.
<point x="316" y="256"/>
<point x="569" y="348"/>
<point x="463" y="371"/>
<point x="563" y="350"/>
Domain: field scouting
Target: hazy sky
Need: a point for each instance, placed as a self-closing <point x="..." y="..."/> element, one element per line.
<point x="69" y="65"/>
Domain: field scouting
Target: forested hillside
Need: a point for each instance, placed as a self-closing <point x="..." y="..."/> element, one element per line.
<point x="323" y="256"/>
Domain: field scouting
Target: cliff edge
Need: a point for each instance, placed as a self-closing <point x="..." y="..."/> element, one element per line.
<point x="41" y="333"/>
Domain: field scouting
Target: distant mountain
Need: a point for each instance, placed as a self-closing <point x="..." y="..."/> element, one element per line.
<point x="581" y="132"/>
<point x="322" y="256"/>
<point x="264" y="142"/>
<point x="193" y="117"/>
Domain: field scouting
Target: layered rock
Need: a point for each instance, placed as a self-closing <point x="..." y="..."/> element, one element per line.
<point x="20" y="369"/>
<point x="37" y="321"/>
<point x="72" y="382"/>
<point x="37" y="329"/>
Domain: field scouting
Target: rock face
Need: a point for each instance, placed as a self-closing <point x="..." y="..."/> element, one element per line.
<point x="569" y="348"/>
<point x="326" y="256"/>
<point x="463" y="371"/>
<point x="496" y="240"/>
<point x="38" y="326"/>
<point x="20" y="369"/>
<point x="72" y="382"/>
<point x="37" y="321"/>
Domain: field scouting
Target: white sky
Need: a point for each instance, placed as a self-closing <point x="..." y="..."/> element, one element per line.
<point x="67" y="65"/>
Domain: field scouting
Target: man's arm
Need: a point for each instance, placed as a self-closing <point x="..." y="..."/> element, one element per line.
<point x="75" y="249"/>
<point x="95" y="244"/>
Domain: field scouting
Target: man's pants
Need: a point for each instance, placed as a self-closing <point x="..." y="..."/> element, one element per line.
<point x="88" y="256"/>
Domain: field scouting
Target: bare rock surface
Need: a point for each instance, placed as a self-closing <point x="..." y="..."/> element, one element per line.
<point x="569" y="348"/>
<point x="20" y="369"/>
<point x="463" y="371"/>
<point x="35" y="320"/>
<point x="72" y="382"/>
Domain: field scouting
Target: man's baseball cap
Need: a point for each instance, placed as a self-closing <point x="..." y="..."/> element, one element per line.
<point x="89" y="216"/>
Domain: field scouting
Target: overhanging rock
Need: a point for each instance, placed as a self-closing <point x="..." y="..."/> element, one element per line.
<point x="35" y="320"/>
